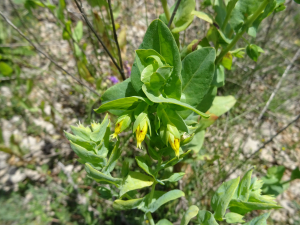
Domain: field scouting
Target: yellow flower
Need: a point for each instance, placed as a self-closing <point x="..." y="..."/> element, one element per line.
<point x="140" y="134"/>
<point x="175" y="144"/>
<point x="117" y="129"/>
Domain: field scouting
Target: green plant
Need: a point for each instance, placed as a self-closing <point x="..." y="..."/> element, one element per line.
<point x="170" y="100"/>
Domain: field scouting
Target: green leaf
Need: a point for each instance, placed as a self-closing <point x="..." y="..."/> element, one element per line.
<point x="98" y="176"/>
<point x="239" y="52"/>
<point x="120" y="90"/>
<point x="295" y="174"/>
<point x="222" y="104"/>
<point x="78" y="31"/>
<point x="206" y="218"/>
<point x="172" y="117"/>
<point x="297" y="1"/>
<point x="87" y="156"/>
<point x="160" y="99"/>
<point x="232" y="217"/>
<point x="189" y="214"/>
<point x="5" y="69"/>
<point x="99" y="3"/>
<point x="113" y="158"/>
<point x="242" y="10"/>
<point x="183" y="17"/>
<point x="164" y="222"/>
<point x="197" y="73"/>
<point x="175" y="177"/>
<point x="144" y="162"/>
<point x="208" y="99"/>
<point x="169" y="196"/>
<point x="253" y="51"/>
<point x="219" y="76"/>
<point x="127" y="103"/>
<point x="222" y="197"/>
<point x="99" y="133"/>
<point x="267" y="12"/>
<point x="203" y="16"/>
<point x="244" y="186"/>
<point x="242" y="207"/>
<point x="159" y="38"/>
<point x="227" y="61"/>
<point x="88" y="145"/>
<point x="220" y="8"/>
<point x="260" y="220"/>
<point x="105" y="193"/>
<point x="127" y="204"/>
<point x="83" y="132"/>
<point x="135" y="180"/>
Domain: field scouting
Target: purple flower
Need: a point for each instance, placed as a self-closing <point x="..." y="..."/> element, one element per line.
<point x="113" y="79"/>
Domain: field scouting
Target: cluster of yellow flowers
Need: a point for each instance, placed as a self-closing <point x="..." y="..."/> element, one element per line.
<point x="141" y="129"/>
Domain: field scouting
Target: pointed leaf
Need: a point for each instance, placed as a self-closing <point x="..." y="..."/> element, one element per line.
<point x="206" y="218"/>
<point x="204" y="16"/>
<point x="98" y="176"/>
<point x="260" y="220"/>
<point x="222" y="197"/>
<point x="127" y="204"/>
<point x="169" y="196"/>
<point x="87" y="156"/>
<point x="135" y="180"/>
<point x="122" y="103"/>
<point x="160" y="99"/>
<point x="113" y="158"/>
<point x="164" y="222"/>
<point x="175" y="177"/>
<point x="232" y="217"/>
<point x="197" y="73"/>
<point x="88" y="145"/>
<point x="98" y="134"/>
<point x="242" y="207"/>
<point x="189" y="214"/>
<point x="243" y="190"/>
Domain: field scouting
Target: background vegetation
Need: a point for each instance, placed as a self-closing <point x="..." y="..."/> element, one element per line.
<point x="41" y="181"/>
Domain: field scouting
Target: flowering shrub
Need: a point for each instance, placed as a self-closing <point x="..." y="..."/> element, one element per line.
<point x="168" y="102"/>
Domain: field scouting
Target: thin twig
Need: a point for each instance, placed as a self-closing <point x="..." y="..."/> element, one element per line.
<point x="261" y="147"/>
<point x="254" y="153"/>
<point x="277" y="87"/>
<point x="174" y="12"/>
<point x="97" y="36"/>
<point x="116" y="39"/>
<point x="44" y="54"/>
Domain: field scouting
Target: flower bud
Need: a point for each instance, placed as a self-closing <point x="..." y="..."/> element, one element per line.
<point x="122" y="123"/>
<point x="140" y="134"/>
<point x="173" y="138"/>
<point x="141" y="128"/>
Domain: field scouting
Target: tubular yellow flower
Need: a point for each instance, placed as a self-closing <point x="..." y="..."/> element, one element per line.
<point x="117" y="129"/>
<point x="175" y="145"/>
<point x="140" y="134"/>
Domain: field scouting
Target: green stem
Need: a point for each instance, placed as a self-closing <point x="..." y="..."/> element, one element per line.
<point x="287" y="181"/>
<point x="148" y="214"/>
<point x="167" y="11"/>
<point x="245" y="27"/>
<point x="228" y="15"/>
